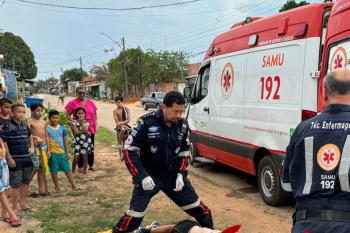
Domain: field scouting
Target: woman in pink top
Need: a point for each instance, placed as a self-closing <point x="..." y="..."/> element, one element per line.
<point x="91" y="117"/>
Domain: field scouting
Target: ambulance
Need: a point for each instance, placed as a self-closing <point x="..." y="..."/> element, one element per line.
<point x="258" y="80"/>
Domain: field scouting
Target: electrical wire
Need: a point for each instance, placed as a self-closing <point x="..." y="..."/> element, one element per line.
<point x="107" y="8"/>
<point x="114" y="15"/>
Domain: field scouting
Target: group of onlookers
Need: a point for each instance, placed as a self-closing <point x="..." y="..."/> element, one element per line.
<point x="41" y="146"/>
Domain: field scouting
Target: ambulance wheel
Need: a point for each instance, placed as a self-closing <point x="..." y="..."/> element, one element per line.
<point x="269" y="183"/>
<point x="145" y="107"/>
<point x="193" y="153"/>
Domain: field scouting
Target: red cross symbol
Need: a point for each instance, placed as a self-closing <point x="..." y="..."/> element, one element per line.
<point x="328" y="157"/>
<point x="338" y="62"/>
<point x="227" y="78"/>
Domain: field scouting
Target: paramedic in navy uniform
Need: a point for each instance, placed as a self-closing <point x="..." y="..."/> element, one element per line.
<point x="156" y="158"/>
<point x="317" y="164"/>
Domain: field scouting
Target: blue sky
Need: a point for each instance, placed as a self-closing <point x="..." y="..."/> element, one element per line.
<point x="58" y="37"/>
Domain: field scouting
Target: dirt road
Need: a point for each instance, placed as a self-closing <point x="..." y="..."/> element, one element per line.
<point x="237" y="191"/>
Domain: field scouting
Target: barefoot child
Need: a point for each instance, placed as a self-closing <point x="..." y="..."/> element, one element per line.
<point x="82" y="139"/>
<point x="19" y="148"/>
<point x="7" y="214"/>
<point x="121" y="118"/>
<point x="38" y="128"/>
<point x="59" y="149"/>
<point x="5" y="114"/>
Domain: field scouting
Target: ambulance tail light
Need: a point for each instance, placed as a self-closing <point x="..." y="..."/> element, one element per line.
<point x="306" y="114"/>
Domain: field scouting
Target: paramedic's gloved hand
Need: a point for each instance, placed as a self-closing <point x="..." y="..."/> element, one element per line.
<point x="148" y="184"/>
<point x="179" y="183"/>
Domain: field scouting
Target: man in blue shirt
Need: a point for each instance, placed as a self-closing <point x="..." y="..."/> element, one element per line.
<point x="317" y="164"/>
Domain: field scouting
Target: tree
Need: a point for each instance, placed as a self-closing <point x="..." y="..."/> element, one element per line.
<point x="18" y="56"/>
<point x="101" y="73"/>
<point x="163" y="66"/>
<point x="147" y="67"/>
<point x="73" y="74"/>
<point x="116" y="79"/>
<point x="292" y="4"/>
<point x="44" y="86"/>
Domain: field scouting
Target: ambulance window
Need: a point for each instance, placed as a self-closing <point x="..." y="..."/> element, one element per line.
<point x="201" y="87"/>
<point x="339" y="56"/>
<point x="205" y="83"/>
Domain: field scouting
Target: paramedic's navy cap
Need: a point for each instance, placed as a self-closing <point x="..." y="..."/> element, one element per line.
<point x="232" y="229"/>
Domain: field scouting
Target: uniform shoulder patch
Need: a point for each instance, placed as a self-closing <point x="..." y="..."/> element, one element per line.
<point x="148" y="115"/>
<point x="138" y="124"/>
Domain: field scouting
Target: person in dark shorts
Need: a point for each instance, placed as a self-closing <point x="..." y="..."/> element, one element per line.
<point x="121" y="118"/>
<point x="183" y="226"/>
<point x="19" y="146"/>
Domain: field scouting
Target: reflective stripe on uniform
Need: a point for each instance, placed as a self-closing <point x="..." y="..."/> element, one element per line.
<point x="344" y="166"/>
<point x="131" y="148"/>
<point x="135" y="214"/>
<point x="287" y="187"/>
<point x="191" y="206"/>
<point x="309" y="145"/>
<point x="183" y="153"/>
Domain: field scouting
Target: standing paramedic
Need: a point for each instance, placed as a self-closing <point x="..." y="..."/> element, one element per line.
<point x="156" y="158"/>
<point x="317" y="164"/>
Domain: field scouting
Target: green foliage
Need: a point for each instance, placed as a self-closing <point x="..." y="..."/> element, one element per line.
<point x="101" y="73"/>
<point x="155" y="67"/>
<point x="17" y="56"/>
<point x="116" y="79"/>
<point x="43" y="85"/>
<point x="73" y="74"/>
<point x="292" y="4"/>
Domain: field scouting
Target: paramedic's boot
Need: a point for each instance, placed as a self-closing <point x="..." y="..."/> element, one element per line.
<point x="147" y="229"/>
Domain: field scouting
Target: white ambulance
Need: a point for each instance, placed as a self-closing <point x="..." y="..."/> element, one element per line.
<point x="258" y="80"/>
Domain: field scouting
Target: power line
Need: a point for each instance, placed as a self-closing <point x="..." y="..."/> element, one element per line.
<point x="214" y="29"/>
<point x="115" y="15"/>
<point x="107" y="8"/>
<point x="196" y="31"/>
<point x="72" y="51"/>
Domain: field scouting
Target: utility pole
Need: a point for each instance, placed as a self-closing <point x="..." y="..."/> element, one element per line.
<point x="81" y="69"/>
<point x="139" y="70"/>
<point x="125" y="70"/>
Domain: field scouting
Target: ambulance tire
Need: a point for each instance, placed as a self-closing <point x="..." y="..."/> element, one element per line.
<point x="269" y="183"/>
<point x="193" y="153"/>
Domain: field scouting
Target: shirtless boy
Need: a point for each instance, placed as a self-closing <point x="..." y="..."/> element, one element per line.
<point x="121" y="118"/>
<point x="38" y="128"/>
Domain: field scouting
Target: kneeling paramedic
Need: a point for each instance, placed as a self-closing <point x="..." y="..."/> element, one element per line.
<point x="155" y="155"/>
<point x="317" y="164"/>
